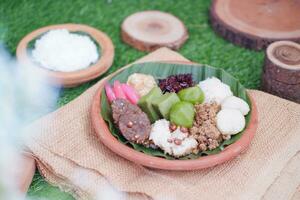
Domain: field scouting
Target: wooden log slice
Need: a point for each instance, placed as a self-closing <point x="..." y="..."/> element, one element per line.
<point x="257" y="23"/>
<point x="287" y="91"/>
<point x="281" y="73"/>
<point x="150" y="30"/>
<point x="282" y="62"/>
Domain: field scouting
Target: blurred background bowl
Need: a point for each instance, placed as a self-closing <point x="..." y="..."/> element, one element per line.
<point x="75" y="78"/>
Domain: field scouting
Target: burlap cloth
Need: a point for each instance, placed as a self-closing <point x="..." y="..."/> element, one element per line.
<point x="69" y="155"/>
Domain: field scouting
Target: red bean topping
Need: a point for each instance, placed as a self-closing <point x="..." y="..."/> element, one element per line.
<point x="170" y="140"/>
<point x="130" y="124"/>
<point x="177" y="141"/>
<point x="172" y="127"/>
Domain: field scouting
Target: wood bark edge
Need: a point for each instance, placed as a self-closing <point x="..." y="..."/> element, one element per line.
<point x="281" y="72"/>
<point x="146" y="45"/>
<point x="238" y="37"/>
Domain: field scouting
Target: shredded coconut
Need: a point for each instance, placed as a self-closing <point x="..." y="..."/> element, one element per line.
<point x="60" y="50"/>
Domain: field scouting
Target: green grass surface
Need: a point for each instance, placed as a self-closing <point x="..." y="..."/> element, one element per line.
<point x="19" y="17"/>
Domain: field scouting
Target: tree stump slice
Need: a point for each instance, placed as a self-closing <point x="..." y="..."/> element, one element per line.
<point x="150" y="30"/>
<point x="281" y="73"/>
<point x="283" y="90"/>
<point x="257" y="23"/>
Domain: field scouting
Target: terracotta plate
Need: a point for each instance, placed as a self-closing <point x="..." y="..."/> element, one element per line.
<point x="71" y="79"/>
<point x="230" y="152"/>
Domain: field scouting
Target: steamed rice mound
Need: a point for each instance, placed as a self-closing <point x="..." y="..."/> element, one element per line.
<point x="60" y="50"/>
<point x="234" y="102"/>
<point x="214" y="90"/>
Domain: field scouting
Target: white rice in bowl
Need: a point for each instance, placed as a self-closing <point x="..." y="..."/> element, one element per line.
<point x="60" y="50"/>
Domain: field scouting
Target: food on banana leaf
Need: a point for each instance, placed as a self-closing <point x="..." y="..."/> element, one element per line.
<point x="230" y="121"/>
<point x="182" y="114"/>
<point x="164" y="103"/>
<point x="234" y="102"/>
<point x="130" y="93"/>
<point x="191" y="94"/>
<point x="175" y="83"/>
<point x="132" y="122"/>
<point x="142" y="83"/>
<point x="214" y="90"/>
<point x="176" y="118"/>
<point x="172" y="141"/>
<point x="146" y="101"/>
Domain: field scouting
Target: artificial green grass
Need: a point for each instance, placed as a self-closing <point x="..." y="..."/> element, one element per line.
<point x="19" y="17"/>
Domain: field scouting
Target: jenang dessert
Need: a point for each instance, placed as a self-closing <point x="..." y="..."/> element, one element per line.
<point x="132" y="122"/>
<point x="176" y="115"/>
<point x="142" y="83"/>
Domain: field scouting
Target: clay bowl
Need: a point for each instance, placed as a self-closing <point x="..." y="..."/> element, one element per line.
<point x="230" y="152"/>
<point x="71" y="79"/>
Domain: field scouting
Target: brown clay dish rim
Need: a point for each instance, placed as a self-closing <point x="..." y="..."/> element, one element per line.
<point x="230" y="152"/>
<point x="70" y="79"/>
